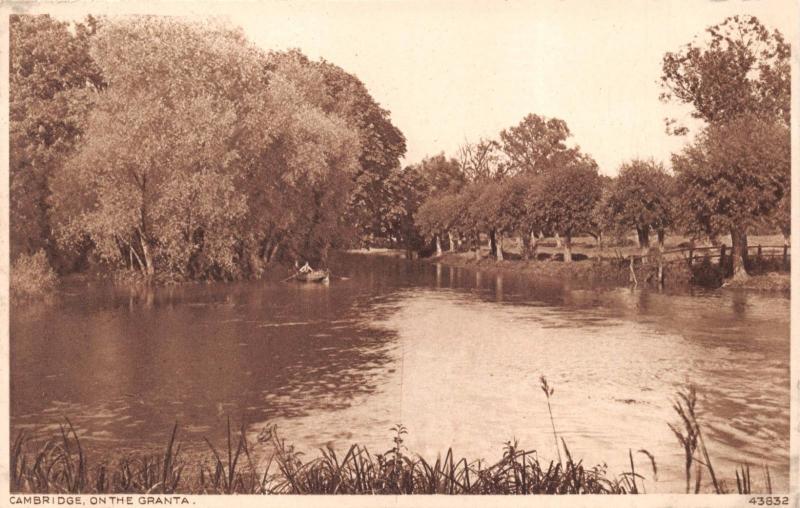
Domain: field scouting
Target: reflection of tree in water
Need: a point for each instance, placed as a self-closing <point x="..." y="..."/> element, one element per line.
<point x="329" y="378"/>
<point x="739" y="304"/>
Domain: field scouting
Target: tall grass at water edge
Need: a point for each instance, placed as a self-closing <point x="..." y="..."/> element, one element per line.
<point x="60" y="466"/>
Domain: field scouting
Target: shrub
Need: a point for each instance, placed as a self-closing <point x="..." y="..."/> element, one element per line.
<point x="31" y="275"/>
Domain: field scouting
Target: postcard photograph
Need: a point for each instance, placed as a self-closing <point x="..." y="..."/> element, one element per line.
<point x="398" y="249"/>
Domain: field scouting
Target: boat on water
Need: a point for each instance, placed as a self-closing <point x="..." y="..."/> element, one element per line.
<point x="313" y="276"/>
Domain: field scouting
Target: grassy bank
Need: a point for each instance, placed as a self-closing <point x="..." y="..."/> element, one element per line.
<point x="767" y="282"/>
<point x="611" y="264"/>
<point x="62" y="465"/>
<point x="612" y="271"/>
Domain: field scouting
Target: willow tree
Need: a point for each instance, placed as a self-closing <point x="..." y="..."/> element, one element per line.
<point x="381" y="144"/>
<point x="153" y="180"/>
<point x="188" y="125"/>
<point x="52" y="84"/>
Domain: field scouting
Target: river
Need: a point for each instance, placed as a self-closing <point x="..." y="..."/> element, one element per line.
<point x="453" y="354"/>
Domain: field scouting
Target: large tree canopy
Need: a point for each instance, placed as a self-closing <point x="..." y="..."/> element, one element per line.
<point x="641" y="198"/>
<point x="536" y="145"/>
<point x="198" y="156"/>
<point x="740" y="69"/>
<point x="568" y="198"/>
<point x="734" y="176"/>
<point x="53" y="81"/>
<point x="382" y="145"/>
<point x="736" y="173"/>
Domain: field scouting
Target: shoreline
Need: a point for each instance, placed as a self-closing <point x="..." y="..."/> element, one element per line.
<point x="610" y="272"/>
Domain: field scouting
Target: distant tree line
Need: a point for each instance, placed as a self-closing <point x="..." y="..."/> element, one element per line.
<point x="732" y="178"/>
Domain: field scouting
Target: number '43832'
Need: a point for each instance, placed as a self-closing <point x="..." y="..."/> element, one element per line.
<point x="769" y="500"/>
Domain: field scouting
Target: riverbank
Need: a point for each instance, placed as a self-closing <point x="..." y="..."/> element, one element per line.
<point x="589" y="270"/>
<point x="778" y="282"/>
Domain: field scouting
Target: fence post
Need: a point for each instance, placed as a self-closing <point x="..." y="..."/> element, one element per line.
<point x="785" y="255"/>
<point x="722" y="256"/>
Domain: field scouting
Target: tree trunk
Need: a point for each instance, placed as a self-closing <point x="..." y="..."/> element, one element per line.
<point x="499" y="246"/>
<point x="739" y="253"/>
<point x="493" y="243"/>
<point x="273" y="254"/>
<point x="534" y="245"/>
<point x="451" y="245"/>
<point x="661" y="236"/>
<point x="148" y="260"/>
<point x="526" y="246"/>
<point x="643" y="235"/>
<point x="438" y="245"/>
<point x="600" y="245"/>
<point x="138" y="259"/>
<point x="568" y="248"/>
<point x="477" y="245"/>
<point x="323" y="254"/>
<point x="558" y="241"/>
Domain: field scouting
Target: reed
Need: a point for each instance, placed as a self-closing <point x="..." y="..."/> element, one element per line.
<point x="60" y="465"/>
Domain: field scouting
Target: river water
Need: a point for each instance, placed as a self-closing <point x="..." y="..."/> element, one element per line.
<point x="453" y="354"/>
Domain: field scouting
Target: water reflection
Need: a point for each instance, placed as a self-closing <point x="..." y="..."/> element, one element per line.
<point x="452" y="353"/>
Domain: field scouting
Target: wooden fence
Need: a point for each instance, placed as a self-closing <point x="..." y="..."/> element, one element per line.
<point x="691" y="254"/>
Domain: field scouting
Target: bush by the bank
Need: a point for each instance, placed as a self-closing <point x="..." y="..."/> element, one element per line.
<point x="31" y="275"/>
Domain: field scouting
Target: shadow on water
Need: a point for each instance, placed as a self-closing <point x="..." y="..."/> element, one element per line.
<point x="428" y="345"/>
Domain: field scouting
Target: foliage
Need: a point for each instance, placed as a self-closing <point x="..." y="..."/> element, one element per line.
<point x="52" y="84"/>
<point x="481" y="161"/>
<point x="381" y="144"/>
<point x="741" y="69"/>
<point x="733" y="175"/>
<point x="536" y="145"/>
<point x="641" y="197"/>
<point x="197" y="160"/>
<point x="493" y="210"/>
<point x="31" y="275"/>
<point x="568" y="198"/>
<point x="421" y="199"/>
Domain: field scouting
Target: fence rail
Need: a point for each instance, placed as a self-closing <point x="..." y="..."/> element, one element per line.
<point x="690" y="254"/>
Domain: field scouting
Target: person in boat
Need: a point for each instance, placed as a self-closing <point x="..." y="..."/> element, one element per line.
<point x="305" y="268"/>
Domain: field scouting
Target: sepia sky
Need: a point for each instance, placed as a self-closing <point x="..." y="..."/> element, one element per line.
<point x="450" y="71"/>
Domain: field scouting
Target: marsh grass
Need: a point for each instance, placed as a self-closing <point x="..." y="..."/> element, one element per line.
<point x="60" y="466"/>
<point x="32" y="276"/>
<point x="690" y="436"/>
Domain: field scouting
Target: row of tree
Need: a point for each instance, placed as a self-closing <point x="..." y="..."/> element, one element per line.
<point x="167" y="146"/>
<point x="176" y="147"/>
<point x="733" y="177"/>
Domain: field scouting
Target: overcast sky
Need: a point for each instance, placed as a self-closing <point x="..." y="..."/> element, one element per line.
<point x="451" y="71"/>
